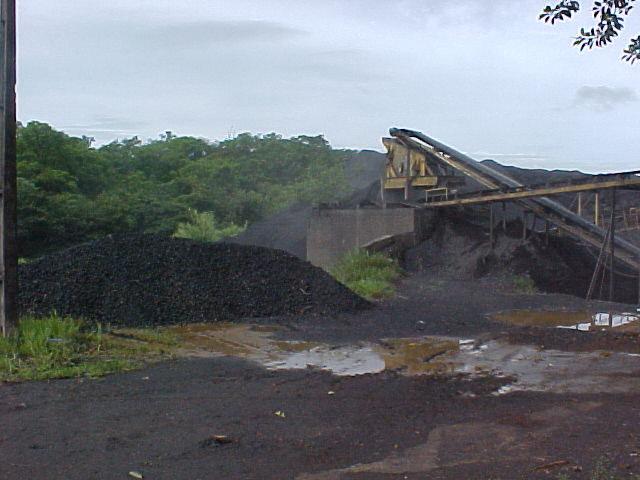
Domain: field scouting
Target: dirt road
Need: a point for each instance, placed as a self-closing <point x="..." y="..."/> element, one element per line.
<point x="534" y="421"/>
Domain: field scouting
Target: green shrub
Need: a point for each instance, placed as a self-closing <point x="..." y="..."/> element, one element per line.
<point x="524" y="284"/>
<point x="203" y="227"/>
<point x="370" y="275"/>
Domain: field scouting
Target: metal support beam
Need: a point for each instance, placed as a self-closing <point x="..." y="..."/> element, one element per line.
<point x="580" y="204"/>
<point x="599" y="264"/>
<point x="546" y="233"/>
<point x="596" y="209"/>
<point x="523" y="192"/>
<point x="8" y="243"/>
<point x="612" y="244"/>
<point x="491" y="240"/>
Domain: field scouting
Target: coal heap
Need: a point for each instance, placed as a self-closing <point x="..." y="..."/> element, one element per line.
<point x="137" y="279"/>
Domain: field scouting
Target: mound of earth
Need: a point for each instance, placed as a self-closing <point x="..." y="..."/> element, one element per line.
<point x="458" y="248"/>
<point x="154" y="280"/>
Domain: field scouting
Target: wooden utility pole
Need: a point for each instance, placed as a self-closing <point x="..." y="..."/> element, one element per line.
<point x="8" y="200"/>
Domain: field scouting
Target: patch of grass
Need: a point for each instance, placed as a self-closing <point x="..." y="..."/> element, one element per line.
<point x="57" y="347"/>
<point x="370" y="275"/>
<point x="524" y="284"/>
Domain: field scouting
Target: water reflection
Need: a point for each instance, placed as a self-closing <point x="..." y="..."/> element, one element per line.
<point x="582" y="320"/>
<point x="530" y="367"/>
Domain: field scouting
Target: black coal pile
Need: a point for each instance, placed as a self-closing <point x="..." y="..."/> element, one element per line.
<point x="136" y="279"/>
<point x="457" y="248"/>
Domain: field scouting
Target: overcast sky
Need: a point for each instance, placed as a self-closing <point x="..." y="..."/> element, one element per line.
<point x="483" y="76"/>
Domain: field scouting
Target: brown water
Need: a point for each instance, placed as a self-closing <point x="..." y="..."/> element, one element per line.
<point x="257" y="344"/>
<point x="531" y="368"/>
<point x="581" y="320"/>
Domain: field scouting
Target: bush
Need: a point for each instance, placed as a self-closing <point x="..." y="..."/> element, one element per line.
<point x="203" y="227"/>
<point x="524" y="284"/>
<point x="370" y="275"/>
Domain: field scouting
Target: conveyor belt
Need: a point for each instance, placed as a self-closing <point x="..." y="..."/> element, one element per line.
<point x="544" y="207"/>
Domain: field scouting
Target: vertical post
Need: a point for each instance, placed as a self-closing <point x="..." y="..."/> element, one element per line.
<point x="546" y="232"/>
<point x="491" y="225"/>
<point x="638" y="281"/>
<point x="596" y="209"/>
<point x="8" y="243"/>
<point x="524" y="225"/>
<point x="612" y="243"/>
<point x="504" y="217"/>
<point x="579" y="204"/>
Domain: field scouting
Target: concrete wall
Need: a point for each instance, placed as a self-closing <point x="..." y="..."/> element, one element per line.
<point x="333" y="232"/>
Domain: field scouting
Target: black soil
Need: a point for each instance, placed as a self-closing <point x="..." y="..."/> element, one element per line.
<point x="155" y="280"/>
<point x="459" y="248"/>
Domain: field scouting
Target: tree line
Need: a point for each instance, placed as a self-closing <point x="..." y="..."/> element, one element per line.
<point x="70" y="192"/>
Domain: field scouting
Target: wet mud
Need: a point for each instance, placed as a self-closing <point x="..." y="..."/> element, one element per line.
<point x="430" y="384"/>
<point x="528" y="367"/>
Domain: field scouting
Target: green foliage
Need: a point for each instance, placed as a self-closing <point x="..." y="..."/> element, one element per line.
<point x="56" y="347"/>
<point x="202" y="226"/>
<point x="370" y="275"/>
<point x="524" y="284"/>
<point x="609" y="17"/>
<point x="70" y="192"/>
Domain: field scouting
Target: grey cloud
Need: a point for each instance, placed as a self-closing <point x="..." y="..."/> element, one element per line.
<point x="603" y="98"/>
<point x="220" y="32"/>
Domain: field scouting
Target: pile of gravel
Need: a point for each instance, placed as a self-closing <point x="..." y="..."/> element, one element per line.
<point x="131" y="280"/>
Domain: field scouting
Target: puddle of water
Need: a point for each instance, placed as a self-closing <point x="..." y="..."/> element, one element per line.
<point x="550" y="370"/>
<point x="411" y="356"/>
<point x="533" y="369"/>
<point x="349" y="360"/>
<point x="582" y="320"/>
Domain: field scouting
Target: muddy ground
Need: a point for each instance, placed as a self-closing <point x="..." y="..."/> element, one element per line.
<point x="449" y="424"/>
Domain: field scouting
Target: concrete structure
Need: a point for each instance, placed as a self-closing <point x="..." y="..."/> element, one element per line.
<point x="333" y="232"/>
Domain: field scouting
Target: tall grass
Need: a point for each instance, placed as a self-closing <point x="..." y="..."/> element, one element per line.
<point x="57" y="347"/>
<point x="371" y="275"/>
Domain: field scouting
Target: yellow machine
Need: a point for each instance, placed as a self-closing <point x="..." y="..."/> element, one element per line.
<point x="409" y="175"/>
